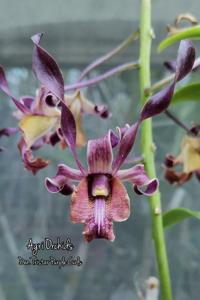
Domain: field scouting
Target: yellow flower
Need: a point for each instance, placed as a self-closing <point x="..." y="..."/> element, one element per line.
<point x="189" y="158"/>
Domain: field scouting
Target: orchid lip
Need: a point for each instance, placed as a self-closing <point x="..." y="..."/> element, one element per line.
<point x="99" y="185"/>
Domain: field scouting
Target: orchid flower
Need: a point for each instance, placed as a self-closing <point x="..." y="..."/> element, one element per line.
<point x="100" y="196"/>
<point x="189" y="158"/>
<point x="39" y="118"/>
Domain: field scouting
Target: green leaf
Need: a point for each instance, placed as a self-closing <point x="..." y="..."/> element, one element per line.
<point x="188" y="33"/>
<point x="190" y="92"/>
<point x="176" y="215"/>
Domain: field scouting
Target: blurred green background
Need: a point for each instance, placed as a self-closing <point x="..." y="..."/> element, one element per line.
<point x="76" y="32"/>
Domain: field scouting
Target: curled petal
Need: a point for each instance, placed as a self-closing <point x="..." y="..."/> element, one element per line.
<point x="5" y="88"/>
<point x="46" y="69"/>
<point x="34" y="127"/>
<point x="161" y="100"/>
<point x="125" y="146"/>
<point x="122" y="130"/>
<point x="33" y="164"/>
<point x="139" y="178"/>
<point x="58" y="184"/>
<point x="100" y="155"/>
<point x="149" y="188"/>
<point x="185" y="59"/>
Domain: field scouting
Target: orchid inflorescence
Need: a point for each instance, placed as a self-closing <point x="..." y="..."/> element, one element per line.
<point x="53" y="116"/>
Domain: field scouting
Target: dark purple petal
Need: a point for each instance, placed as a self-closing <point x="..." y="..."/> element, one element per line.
<point x="54" y="138"/>
<point x="46" y="69"/>
<point x="171" y="65"/>
<point x="125" y="146"/>
<point x="148" y="188"/>
<point x="68" y="127"/>
<point x="8" y="131"/>
<point x="185" y="59"/>
<point x="58" y="184"/>
<point x="161" y="100"/>
<point x="158" y="102"/>
<point x="100" y="155"/>
<point x="33" y="164"/>
<point x="4" y="87"/>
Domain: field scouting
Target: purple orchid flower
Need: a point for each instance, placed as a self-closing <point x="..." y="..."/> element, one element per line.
<point x="100" y="197"/>
<point x="39" y="116"/>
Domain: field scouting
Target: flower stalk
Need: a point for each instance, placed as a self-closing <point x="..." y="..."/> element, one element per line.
<point x="147" y="149"/>
<point x="104" y="76"/>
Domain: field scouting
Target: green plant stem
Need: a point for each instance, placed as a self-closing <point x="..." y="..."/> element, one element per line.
<point x="148" y="151"/>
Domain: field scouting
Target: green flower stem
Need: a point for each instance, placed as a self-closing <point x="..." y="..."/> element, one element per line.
<point x="148" y="151"/>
